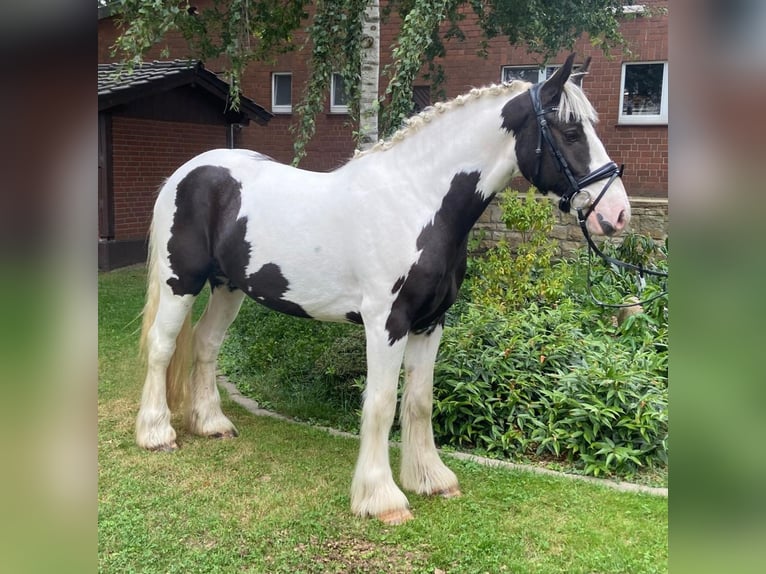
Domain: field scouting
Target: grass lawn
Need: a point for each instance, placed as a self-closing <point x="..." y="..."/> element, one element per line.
<point x="277" y="498"/>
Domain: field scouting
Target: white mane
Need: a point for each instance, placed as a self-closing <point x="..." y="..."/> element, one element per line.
<point x="574" y="106"/>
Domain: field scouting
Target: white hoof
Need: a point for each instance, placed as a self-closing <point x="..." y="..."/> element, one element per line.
<point x="215" y="425"/>
<point x="383" y="501"/>
<point x="153" y="431"/>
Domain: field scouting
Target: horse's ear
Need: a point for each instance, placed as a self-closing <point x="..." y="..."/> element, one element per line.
<point x="580" y="74"/>
<point x="553" y="86"/>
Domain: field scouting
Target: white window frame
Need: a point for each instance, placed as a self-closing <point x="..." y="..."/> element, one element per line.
<point x="280" y="108"/>
<point x="543" y="72"/>
<point x="336" y="108"/>
<point x="649" y="119"/>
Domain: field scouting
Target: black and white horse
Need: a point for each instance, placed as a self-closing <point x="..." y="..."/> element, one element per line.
<point x="381" y="241"/>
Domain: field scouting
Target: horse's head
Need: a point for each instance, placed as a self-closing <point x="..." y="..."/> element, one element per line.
<point x="558" y="150"/>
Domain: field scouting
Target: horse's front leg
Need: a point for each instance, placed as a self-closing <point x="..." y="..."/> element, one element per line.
<point x="422" y="469"/>
<point x="373" y="491"/>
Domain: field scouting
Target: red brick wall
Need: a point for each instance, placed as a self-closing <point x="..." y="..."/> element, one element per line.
<point x="145" y="153"/>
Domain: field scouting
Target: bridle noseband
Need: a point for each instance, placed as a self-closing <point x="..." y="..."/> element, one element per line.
<point x="609" y="172"/>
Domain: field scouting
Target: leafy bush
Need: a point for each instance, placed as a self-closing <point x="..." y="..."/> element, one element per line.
<point x="531" y="366"/>
<point x="612" y="285"/>
<point x="509" y="278"/>
<point x="534" y="382"/>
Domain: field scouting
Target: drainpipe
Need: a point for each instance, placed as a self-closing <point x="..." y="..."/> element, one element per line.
<point x="233" y="129"/>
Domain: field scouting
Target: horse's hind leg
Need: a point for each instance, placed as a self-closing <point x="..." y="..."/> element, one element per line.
<point x="162" y="341"/>
<point x="203" y="414"/>
<point x="422" y="470"/>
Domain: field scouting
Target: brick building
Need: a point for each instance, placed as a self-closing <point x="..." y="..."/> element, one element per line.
<point x="630" y="94"/>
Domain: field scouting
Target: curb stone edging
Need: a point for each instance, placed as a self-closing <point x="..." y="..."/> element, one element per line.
<point x="253" y="407"/>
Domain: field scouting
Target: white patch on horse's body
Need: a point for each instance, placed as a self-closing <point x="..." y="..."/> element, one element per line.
<point x="381" y="241"/>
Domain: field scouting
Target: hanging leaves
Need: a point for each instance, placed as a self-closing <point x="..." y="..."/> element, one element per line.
<point x="548" y="26"/>
<point x="242" y="31"/>
<point x="415" y="38"/>
<point x="337" y="24"/>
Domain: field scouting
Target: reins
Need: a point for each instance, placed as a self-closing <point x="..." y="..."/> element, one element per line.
<point x="610" y="172"/>
<point x="640" y="269"/>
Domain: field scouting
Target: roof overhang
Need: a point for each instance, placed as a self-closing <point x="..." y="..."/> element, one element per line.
<point x="118" y="86"/>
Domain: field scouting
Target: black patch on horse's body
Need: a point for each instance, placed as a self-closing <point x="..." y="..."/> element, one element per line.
<point x="207" y="202"/>
<point x="267" y="285"/>
<point x="431" y="328"/>
<point x="207" y="242"/>
<point x="432" y="283"/>
<point x="398" y="284"/>
<point x="354" y="317"/>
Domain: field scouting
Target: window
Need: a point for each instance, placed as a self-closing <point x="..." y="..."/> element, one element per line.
<point x="644" y="93"/>
<point x="633" y="8"/>
<point x="281" y="93"/>
<point x="532" y="74"/>
<point x="338" y="96"/>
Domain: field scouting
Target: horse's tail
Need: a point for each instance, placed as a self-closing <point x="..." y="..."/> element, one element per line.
<point x="180" y="362"/>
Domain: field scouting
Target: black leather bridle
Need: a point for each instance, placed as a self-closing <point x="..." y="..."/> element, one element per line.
<point x="609" y="172"/>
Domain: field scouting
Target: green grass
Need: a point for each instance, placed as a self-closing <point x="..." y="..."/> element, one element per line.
<point x="277" y="498"/>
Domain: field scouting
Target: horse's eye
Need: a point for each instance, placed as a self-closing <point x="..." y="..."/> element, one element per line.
<point x="572" y="136"/>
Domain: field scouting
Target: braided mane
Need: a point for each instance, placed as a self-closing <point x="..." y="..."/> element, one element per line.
<point x="574" y="106"/>
<point x="417" y="122"/>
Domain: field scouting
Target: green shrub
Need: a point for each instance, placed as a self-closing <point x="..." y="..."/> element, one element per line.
<point x="616" y="285"/>
<point x="510" y="278"/>
<point x="534" y="382"/>
<point x="531" y="366"/>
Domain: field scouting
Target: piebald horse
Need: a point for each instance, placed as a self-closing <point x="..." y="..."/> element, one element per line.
<point x="380" y="241"/>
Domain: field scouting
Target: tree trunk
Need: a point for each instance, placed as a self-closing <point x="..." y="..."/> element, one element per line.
<point x="370" y="73"/>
